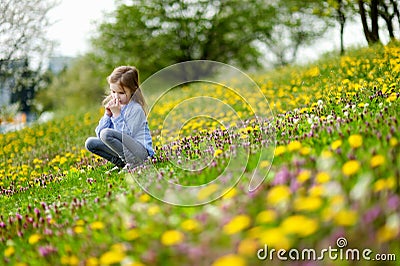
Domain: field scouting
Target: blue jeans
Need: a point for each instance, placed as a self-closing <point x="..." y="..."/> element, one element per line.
<point x="117" y="148"/>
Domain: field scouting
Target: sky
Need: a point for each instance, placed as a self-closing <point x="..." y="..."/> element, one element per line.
<point x="74" y="24"/>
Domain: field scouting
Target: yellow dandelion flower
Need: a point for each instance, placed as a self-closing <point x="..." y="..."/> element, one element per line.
<point x="112" y="257"/>
<point x="280" y="150"/>
<point x="8" y="252"/>
<point x="304" y="176"/>
<point x="69" y="260"/>
<point x="386" y="233"/>
<point x="230" y="194"/>
<point x="207" y="191"/>
<point x="218" y="152"/>
<point x="305" y="151"/>
<point x="307" y="203"/>
<point x="393" y="141"/>
<point x="132" y="234"/>
<point x="380" y="185"/>
<point x="317" y="191"/>
<point x="190" y="225"/>
<point x="229" y="260"/>
<point x="336" y="144"/>
<point x="345" y="218"/>
<point x="391" y="182"/>
<point x="265" y="164"/>
<point x="171" y="237"/>
<point x="33" y="239"/>
<point x="355" y="140"/>
<point x="79" y="229"/>
<point x="294" y="146"/>
<point x="254" y="232"/>
<point x="136" y="263"/>
<point x="248" y="247"/>
<point x="291" y="225"/>
<point x="92" y="261"/>
<point x="383" y="184"/>
<point x="322" y="177"/>
<point x="97" y="225"/>
<point x="278" y="194"/>
<point x="153" y="210"/>
<point x="275" y="237"/>
<point x="144" y="198"/>
<point x="326" y="154"/>
<point x="392" y="97"/>
<point x="237" y="224"/>
<point x="377" y="160"/>
<point x="266" y="216"/>
<point x="351" y="167"/>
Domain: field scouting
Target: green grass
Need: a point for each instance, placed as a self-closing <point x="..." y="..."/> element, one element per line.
<point x="59" y="207"/>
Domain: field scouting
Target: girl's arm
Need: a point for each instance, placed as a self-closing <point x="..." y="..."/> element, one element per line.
<point x="105" y="122"/>
<point x="131" y="120"/>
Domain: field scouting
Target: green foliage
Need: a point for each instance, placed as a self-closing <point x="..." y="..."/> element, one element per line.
<point x="156" y="34"/>
<point x="79" y="87"/>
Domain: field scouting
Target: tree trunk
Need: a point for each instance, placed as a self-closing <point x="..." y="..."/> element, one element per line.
<point x="372" y="35"/>
<point x="342" y="21"/>
<point x="396" y="10"/>
<point x="374" y="20"/>
<point x="388" y="19"/>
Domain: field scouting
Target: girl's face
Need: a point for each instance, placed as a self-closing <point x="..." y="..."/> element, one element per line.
<point x="123" y="97"/>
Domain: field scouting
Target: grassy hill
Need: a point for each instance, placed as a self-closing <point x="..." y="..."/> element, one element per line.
<point x="332" y="143"/>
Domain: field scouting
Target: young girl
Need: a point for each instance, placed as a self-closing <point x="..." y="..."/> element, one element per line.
<point x="123" y="135"/>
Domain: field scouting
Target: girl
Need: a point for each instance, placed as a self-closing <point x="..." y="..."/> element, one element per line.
<point x="123" y="135"/>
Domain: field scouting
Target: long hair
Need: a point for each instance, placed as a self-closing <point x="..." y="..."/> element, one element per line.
<point x="127" y="77"/>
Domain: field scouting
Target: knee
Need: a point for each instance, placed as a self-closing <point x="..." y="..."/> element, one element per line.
<point x="106" y="134"/>
<point x="91" y="143"/>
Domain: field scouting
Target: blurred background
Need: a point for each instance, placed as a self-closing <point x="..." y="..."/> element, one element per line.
<point x="56" y="54"/>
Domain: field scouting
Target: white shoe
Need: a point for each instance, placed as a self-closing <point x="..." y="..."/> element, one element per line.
<point x="126" y="169"/>
<point x="114" y="169"/>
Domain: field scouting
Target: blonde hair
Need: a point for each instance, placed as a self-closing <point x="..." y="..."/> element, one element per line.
<point x="127" y="77"/>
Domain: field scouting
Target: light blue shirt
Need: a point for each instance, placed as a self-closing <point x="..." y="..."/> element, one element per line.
<point x="132" y="121"/>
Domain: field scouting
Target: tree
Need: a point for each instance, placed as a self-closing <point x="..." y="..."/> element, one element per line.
<point x="155" y="34"/>
<point x="23" y="25"/>
<point x="22" y="28"/>
<point x="371" y="30"/>
<point x="388" y="10"/>
<point x="370" y="11"/>
<point x="296" y="25"/>
<point x="77" y="87"/>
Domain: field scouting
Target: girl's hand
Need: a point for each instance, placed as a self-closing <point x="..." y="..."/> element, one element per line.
<point x="115" y="107"/>
<point x="108" y="112"/>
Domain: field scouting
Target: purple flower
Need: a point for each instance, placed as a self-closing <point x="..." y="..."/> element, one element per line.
<point x="371" y="214"/>
<point x="46" y="250"/>
<point x="281" y="177"/>
<point x="393" y="202"/>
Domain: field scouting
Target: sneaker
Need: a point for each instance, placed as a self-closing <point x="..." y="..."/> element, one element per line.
<point x="114" y="169"/>
<point x="126" y="169"/>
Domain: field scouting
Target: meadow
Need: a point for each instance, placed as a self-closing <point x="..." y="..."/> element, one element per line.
<point x="333" y="181"/>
